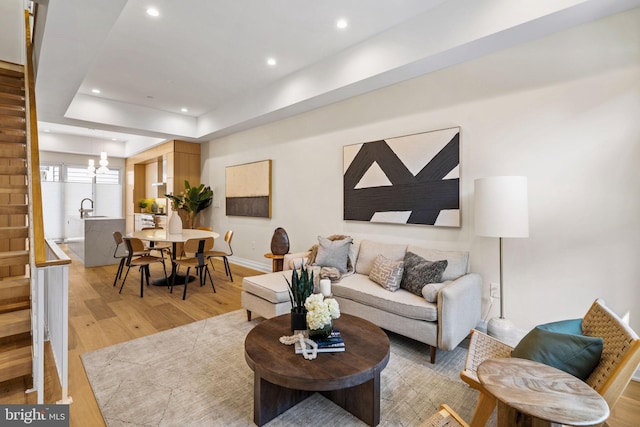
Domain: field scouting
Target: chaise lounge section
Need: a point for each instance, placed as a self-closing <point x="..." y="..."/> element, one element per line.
<point x="441" y="317"/>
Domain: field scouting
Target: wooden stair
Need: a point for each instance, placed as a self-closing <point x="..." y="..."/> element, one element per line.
<point x="15" y="297"/>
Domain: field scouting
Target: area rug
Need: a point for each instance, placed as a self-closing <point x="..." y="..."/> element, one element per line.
<point x="196" y="375"/>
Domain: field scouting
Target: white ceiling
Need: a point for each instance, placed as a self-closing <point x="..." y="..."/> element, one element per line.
<point x="209" y="56"/>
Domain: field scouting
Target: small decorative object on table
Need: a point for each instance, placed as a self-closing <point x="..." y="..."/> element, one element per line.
<point x="320" y="314"/>
<point x="300" y="287"/>
<point x="280" y="242"/>
<point x="334" y="343"/>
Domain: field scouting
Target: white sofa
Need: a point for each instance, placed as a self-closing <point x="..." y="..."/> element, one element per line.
<point x="442" y="324"/>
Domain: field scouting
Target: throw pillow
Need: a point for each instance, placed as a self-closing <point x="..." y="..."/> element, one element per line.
<point x="333" y="253"/>
<point x="387" y="273"/>
<point x="562" y="345"/>
<point x="419" y="272"/>
<point x="430" y="291"/>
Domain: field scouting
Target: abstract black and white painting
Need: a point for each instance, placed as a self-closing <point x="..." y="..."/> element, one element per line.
<point x="413" y="179"/>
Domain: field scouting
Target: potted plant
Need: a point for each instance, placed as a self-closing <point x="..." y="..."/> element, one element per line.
<point x="142" y="204"/>
<point x="192" y="201"/>
<point x="300" y="287"/>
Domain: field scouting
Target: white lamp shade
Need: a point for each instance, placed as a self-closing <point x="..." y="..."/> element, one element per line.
<point x="501" y="206"/>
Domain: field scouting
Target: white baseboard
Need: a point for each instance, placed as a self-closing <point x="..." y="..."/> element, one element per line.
<point x="266" y="268"/>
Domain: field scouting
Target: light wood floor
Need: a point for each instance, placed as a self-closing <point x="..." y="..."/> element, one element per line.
<point x="100" y="317"/>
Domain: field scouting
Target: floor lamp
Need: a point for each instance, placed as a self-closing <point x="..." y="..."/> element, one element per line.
<point x="501" y="210"/>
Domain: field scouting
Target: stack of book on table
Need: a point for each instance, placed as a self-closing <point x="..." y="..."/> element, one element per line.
<point x="333" y="343"/>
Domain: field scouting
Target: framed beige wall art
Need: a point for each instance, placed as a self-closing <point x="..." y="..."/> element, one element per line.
<point x="248" y="189"/>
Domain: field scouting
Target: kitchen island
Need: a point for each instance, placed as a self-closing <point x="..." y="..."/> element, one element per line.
<point x="96" y="247"/>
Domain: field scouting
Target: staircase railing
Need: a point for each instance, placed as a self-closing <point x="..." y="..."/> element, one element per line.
<point x="49" y="265"/>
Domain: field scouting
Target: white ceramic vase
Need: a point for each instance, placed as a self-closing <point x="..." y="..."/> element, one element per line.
<point x="175" y="223"/>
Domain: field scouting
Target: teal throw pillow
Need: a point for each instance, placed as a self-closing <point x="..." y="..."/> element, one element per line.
<point x="562" y="345"/>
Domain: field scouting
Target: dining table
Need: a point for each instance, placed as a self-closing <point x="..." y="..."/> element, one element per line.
<point x="163" y="235"/>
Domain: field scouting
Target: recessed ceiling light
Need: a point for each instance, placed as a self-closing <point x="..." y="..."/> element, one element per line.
<point x="114" y="139"/>
<point x="47" y="130"/>
<point x="95" y="90"/>
<point x="271" y="62"/>
<point x="184" y="110"/>
<point x="342" y="23"/>
<point x="152" y="11"/>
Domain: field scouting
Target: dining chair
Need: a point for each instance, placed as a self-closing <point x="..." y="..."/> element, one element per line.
<point x="618" y="362"/>
<point x="223" y="252"/>
<point x="139" y="256"/>
<point x="193" y="256"/>
<point x="122" y="255"/>
<point x="161" y="247"/>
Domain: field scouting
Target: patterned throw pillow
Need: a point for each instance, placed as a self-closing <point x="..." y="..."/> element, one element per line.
<point x="387" y="273"/>
<point x="333" y="253"/>
<point x="419" y="272"/>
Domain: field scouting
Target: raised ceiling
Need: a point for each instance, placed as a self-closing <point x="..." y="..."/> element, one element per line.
<point x="210" y="57"/>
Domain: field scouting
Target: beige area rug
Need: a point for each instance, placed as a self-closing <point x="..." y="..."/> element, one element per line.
<point x="196" y="375"/>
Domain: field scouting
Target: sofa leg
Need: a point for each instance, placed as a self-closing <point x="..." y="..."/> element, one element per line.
<point x="432" y="353"/>
<point x="248" y="316"/>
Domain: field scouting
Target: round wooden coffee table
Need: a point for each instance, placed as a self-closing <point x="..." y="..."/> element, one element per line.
<point x="351" y="378"/>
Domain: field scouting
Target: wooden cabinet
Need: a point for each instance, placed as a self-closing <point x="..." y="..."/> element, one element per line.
<point x="182" y="160"/>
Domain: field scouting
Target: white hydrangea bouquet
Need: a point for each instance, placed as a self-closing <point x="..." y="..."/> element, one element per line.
<point x="321" y="311"/>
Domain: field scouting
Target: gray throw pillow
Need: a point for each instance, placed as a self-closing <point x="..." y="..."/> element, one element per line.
<point x="419" y="272"/>
<point x="430" y="291"/>
<point x="333" y="253"/>
<point x="387" y="273"/>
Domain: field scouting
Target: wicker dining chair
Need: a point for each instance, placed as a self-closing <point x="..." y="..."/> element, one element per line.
<point x="618" y="362"/>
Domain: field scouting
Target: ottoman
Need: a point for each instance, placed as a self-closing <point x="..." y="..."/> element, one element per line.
<point x="266" y="295"/>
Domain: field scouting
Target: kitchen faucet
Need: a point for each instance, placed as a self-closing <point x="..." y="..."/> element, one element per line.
<point x="83" y="211"/>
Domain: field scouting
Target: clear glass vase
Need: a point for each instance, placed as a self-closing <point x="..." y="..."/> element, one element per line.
<point x="322" y="333"/>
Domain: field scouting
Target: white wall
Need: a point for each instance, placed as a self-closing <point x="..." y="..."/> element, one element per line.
<point x="12" y="31"/>
<point x="562" y="110"/>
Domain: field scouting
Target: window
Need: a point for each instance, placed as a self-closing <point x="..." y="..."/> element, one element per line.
<point x="111" y="177"/>
<point x="50" y="173"/>
<point x="78" y="174"/>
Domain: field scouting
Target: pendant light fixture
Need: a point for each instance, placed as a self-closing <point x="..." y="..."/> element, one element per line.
<point x="103" y="163"/>
<point x="91" y="169"/>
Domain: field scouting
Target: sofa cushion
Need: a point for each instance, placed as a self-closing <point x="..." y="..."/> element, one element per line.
<point x="369" y="250"/>
<point x="387" y="273"/>
<point x="562" y="345"/>
<point x="271" y="287"/>
<point x="419" y="272"/>
<point x="457" y="261"/>
<point x="360" y="289"/>
<point x="333" y="253"/>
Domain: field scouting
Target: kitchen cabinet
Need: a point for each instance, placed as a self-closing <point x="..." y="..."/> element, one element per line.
<point x="148" y="220"/>
<point x="179" y="160"/>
